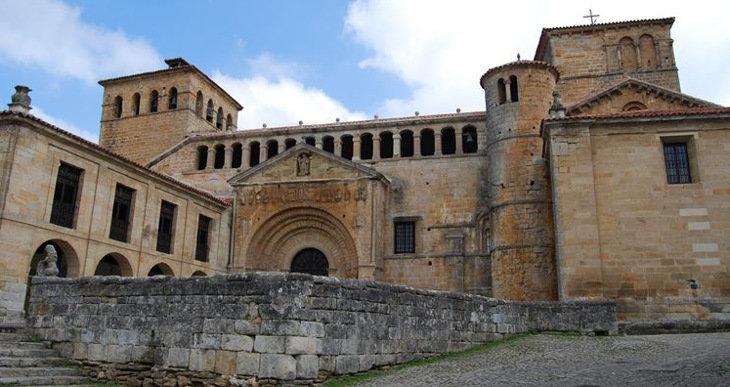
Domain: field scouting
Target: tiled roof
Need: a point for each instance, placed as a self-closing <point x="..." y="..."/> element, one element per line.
<point x="647" y="114"/>
<point x="119" y="157"/>
<point x="520" y="63"/>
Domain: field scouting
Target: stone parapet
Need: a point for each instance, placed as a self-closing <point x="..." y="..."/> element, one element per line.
<point x="275" y="326"/>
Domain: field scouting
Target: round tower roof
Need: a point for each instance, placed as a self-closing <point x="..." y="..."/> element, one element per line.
<point x="517" y="64"/>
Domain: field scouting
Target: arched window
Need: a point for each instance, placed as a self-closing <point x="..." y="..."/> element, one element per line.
<point x="290" y="143"/>
<point x="172" y="99"/>
<point x="272" y="149"/>
<point x="628" y="55"/>
<point x="219" y="118"/>
<point x="209" y="111"/>
<point x="202" y="157"/>
<point x="229" y="122"/>
<point x="469" y="139"/>
<point x="118" y="106"/>
<point x="254" y="154"/>
<point x="406" y="143"/>
<point x="154" y="96"/>
<point x="310" y="140"/>
<point x="366" y="146"/>
<point x="328" y="144"/>
<point x="448" y="141"/>
<point x="237" y="155"/>
<point x="647" y="50"/>
<point x="113" y="264"/>
<point x="199" y="104"/>
<point x="346" y="151"/>
<point x="199" y="273"/>
<point x="428" y="146"/>
<point x="160" y="269"/>
<point x="386" y="145"/>
<point x="501" y="91"/>
<point x="220" y="156"/>
<point x="135" y="104"/>
<point x="513" y="94"/>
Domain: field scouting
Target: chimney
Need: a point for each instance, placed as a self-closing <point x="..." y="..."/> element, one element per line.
<point x="20" y="101"/>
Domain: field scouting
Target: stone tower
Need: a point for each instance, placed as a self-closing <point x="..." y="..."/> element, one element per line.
<point x="145" y="114"/>
<point x="518" y="97"/>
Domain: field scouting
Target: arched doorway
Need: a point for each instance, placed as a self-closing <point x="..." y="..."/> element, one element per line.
<point x="113" y="264"/>
<point x="310" y="261"/>
<point x="40" y="253"/>
<point x="160" y="269"/>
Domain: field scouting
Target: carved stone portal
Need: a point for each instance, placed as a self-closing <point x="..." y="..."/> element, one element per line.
<point x="48" y="266"/>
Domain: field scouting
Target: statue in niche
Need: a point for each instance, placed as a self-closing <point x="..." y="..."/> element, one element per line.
<point x="48" y="266"/>
<point x="303" y="162"/>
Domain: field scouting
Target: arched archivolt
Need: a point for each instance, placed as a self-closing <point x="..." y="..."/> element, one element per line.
<point x="633" y="105"/>
<point x="276" y="242"/>
<point x="68" y="260"/>
<point x="161" y="269"/>
<point x="114" y="264"/>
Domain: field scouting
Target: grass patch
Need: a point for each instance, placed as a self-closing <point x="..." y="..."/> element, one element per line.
<point x="351" y="380"/>
<point x="37" y="338"/>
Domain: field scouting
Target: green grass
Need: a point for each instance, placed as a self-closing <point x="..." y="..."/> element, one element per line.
<point x="37" y="338"/>
<point x="351" y="380"/>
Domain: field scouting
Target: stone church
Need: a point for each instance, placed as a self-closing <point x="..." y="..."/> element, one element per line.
<point x="589" y="176"/>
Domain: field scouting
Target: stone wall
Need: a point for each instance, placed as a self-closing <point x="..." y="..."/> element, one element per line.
<point x="275" y="326"/>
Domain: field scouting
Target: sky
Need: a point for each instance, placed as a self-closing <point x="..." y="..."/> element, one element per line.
<point x="318" y="60"/>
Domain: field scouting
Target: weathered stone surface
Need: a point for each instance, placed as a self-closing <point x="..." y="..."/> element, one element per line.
<point x="278" y="367"/>
<point x="247" y="363"/>
<point x="202" y="359"/>
<point x="237" y="343"/>
<point x="270" y="344"/>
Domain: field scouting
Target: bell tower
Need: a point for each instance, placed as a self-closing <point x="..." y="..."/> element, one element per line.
<point x="518" y="97"/>
<point x="145" y="114"/>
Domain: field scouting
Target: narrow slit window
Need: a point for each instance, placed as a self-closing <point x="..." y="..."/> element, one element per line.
<point x="203" y="242"/>
<point x="166" y="227"/>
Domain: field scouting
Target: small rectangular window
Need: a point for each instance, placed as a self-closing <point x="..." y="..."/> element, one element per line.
<point x="405" y="237"/>
<point x="68" y="182"/>
<point x="121" y="213"/>
<point x="202" y="245"/>
<point x="166" y="227"/>
<point x="676" y="160"/>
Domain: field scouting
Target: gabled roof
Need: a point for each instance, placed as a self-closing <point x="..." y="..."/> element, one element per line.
<point x="629" y="82"/>
<point x="242" y="177"/>
<point x="83" y="142"/>
<point x="547" y="32"/>
<point x="711" y="111"/>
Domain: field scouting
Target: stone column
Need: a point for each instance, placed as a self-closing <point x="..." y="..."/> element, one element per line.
<point x="355" y="148"/>
<point x="318" y="142"/>
<point x="508" y="90"/>
<point x="263" y="152"/>
<point x="338" y="147"/>
<point x="376" y="147"/>
<point x="396" y="145"/>
<point x="282" y="146"/>
<point x="437" y="143"/>
<point x="211" y="158"/>
<point x="417" y="144"/>
<point x="458" y="140"/>
<point x="228" y="152"/>
<point x="245" y="159"/>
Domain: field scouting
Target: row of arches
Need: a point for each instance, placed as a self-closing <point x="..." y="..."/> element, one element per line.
<point x="151" y="103"/>
<point x="211" y="113"/>
<point x="637" y="56"/>
<point x="110" y="264"/>
<point x="366" y="146"/>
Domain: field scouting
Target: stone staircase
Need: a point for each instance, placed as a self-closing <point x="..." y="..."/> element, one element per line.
<point x="24" y="362"/>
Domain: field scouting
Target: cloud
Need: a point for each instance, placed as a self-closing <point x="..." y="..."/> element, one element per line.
<point x="440" y="49"/>
<point x="281" y="102"/>
<point x="92" y="136"/>
<point x="266" y="65"/>
<point x="50" y="35"/>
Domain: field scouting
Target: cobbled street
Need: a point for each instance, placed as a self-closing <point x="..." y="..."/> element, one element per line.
<point x="561" y="360"/>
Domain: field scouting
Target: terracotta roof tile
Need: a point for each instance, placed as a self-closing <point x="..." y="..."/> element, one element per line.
<point x="119" y="157"/>
<point x="647" y="114"/>
<point x="534" y="63"/>
<point x="611" y="24"/>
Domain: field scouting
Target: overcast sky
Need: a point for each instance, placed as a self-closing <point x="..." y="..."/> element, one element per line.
<point x="318" y="60"/>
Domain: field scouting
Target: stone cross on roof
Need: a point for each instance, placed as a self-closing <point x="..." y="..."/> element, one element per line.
<point x="591" y="16"/>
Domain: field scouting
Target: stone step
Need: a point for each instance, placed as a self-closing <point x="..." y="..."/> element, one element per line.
<point x="23" y="352"/>
<point x="38" y="371"/>
<point x="44" y="380"/>
<point x="6" y="361"/>
<point x="22" y="345"/>
<point x="5" y="337"/>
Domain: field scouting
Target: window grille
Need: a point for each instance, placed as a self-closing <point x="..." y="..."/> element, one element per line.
<point x="677" y="163"/>
<point x="405" y="238"/>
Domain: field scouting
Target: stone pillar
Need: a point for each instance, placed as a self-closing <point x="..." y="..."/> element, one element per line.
<point x="338" y="147"/>
<point x="245" y="156"/>
<point x="417" y="144"/>
<point x="282" y="146"/>
<point x="355" y="148"/>
<point x="396" y="145"/>
<point x="263" y="148"/>
<point x="437" y="143"/>
<point x="458" y="140"/>
<point x="228" y="152"/>
<point x="508" y="90"/>
<point x="318" y="142"/>
<point x="211" y="158"/>
<point x="376" y="147"/>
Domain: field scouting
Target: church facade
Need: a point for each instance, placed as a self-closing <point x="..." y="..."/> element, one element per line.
<point x="589" y="176"/>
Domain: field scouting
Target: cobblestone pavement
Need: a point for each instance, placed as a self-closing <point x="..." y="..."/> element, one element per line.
<point x="560" y="360"/>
